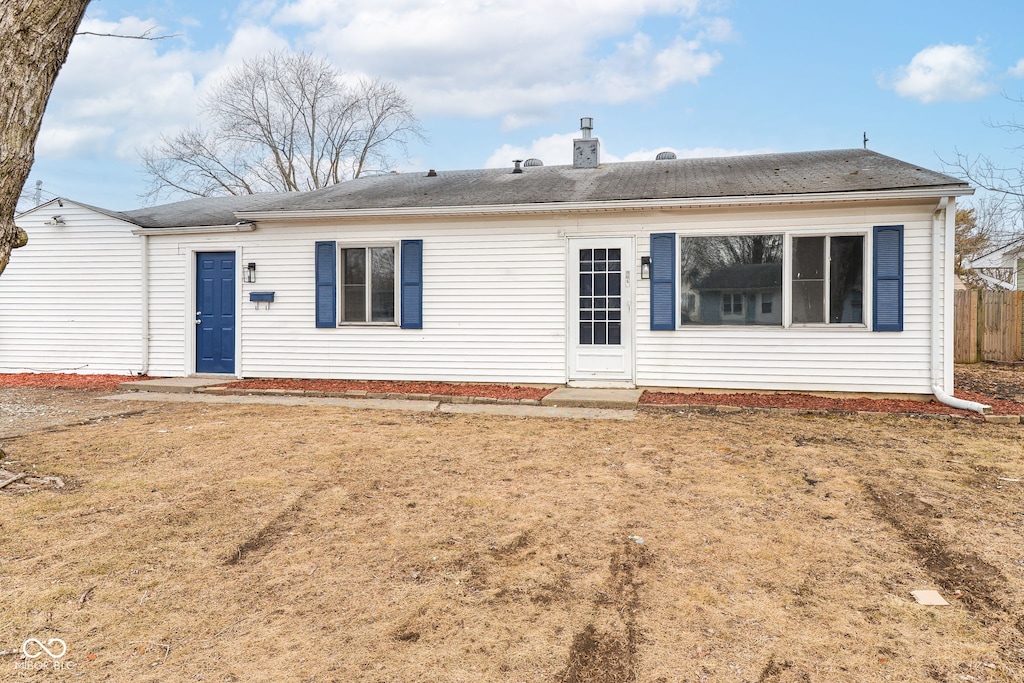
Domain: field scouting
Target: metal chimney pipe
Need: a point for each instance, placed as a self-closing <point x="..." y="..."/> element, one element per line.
<point x="586" y="126"/>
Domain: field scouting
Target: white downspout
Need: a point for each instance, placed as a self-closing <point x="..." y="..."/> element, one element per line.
<point x="941" y="226"/>
<point x="144" y="297"/>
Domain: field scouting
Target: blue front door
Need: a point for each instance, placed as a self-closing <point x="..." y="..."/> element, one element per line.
<point x="215" y="312"/>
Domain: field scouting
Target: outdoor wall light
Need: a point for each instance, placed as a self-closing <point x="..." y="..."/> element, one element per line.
<point x="645" y="267"/>
<point x="250" y="272"/>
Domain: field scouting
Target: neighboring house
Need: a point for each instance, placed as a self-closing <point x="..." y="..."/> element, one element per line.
<point x="521" y="275"/>
<point x="739" y="294"/>
<point x="1002" y="267"/>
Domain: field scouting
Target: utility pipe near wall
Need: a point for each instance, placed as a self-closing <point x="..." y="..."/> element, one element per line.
<point x="941" y="226"/>
<point x="144" y="298"/>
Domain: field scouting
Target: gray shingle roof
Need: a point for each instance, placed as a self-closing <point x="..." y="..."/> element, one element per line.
<point x="201" y="211"/>
<point x="847" y="170"/>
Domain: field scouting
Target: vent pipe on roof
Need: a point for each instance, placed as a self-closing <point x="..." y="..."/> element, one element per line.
<point x="586" y="150"/>
<point x="431" y="173"/>
<point x="518" y="168"/>
<point x="586" y="126"/>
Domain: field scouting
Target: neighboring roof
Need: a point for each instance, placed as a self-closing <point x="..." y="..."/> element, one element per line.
<point x="849" y="170"/>
<point x="745" y="276"/>
<point x="1013" y="246"/>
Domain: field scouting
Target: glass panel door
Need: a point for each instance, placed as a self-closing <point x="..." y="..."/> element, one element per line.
<point x="600" y="310"/>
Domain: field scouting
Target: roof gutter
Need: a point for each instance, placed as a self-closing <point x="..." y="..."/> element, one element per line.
<point x="241" y="226"/>
<point x="943" y="225"/>
<point x="599" y="206"/>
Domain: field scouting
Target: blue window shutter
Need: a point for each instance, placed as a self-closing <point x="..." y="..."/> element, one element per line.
<point x="412" y="284"/>
<point x="326" y="284"/>
<point x="888" y="278"/>
<point x="663" y="281"/>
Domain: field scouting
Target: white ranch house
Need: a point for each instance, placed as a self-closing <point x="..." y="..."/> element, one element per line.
<point x="1001" y="267"/>
<point x="826" y="271"/>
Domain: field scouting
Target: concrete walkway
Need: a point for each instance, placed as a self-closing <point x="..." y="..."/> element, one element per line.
<point x="568" y="402"/>
<point x="179" y="395"/>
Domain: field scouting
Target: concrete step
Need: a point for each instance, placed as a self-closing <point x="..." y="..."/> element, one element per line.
<point x="173" y="385"/>
<point x="574" y="397"/>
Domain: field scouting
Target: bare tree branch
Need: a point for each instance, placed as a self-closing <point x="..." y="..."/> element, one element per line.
<point x="1002" y="202"/>
<point x="283" y="122"/>
<point x="142" y="36"/>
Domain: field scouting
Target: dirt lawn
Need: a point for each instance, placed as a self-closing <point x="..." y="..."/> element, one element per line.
<point x="267" y="543"/>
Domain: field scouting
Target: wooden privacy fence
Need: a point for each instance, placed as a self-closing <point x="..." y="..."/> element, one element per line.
<point x="988" y="326"/>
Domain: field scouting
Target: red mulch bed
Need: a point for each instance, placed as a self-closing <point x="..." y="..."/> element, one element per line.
<point x="60" y="380"/>
<point x="389" y="387"/>
<point x="808" y="402"/>
<point x="797" y="401"/>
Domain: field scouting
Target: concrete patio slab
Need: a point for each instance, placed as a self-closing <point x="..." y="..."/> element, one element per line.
<point x="573" y="397"/>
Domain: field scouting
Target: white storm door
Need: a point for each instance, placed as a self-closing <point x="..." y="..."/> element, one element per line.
<point x="601" y="310"/>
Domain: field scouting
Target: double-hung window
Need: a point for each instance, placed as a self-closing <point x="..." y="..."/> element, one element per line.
<point x="779" y="279"/>
<point x="828" y="279"/>
<point x="367" y="284"/>
<point x="370" y="284"/>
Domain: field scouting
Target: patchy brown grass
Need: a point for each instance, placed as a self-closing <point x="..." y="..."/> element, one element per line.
<point x="243" y="543"/>
<point x="62" y="380"/>
<point x="328" y="386"/>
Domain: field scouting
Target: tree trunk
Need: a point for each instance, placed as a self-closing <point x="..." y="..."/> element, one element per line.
<point x="35" y="36"/>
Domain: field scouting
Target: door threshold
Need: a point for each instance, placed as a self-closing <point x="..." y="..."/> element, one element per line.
<point x="600" y="384"/>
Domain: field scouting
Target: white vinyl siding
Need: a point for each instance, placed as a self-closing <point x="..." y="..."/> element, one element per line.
<point x="804" y="358"/>
<point x="70" y="300"/>
<point x="494" y="304"/>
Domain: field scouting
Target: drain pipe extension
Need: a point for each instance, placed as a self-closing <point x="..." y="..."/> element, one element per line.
<point x="960" y="403"/>
<point x="942" y="214"/>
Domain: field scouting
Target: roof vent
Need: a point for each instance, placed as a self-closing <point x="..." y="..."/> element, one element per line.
<point x="431" y="173"/>
<point x="586" y="126"/>
<point x="663" y="156"/>
<point x="533" y="162"/>
<point x="518" y="168"/>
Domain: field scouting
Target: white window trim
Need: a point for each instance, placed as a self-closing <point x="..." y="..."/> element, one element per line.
<point x="339" y="275"/>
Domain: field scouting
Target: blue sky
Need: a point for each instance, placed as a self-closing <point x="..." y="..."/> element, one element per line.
<point x="496" y="81"/>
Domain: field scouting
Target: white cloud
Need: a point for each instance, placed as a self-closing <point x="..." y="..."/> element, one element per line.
<point x="691" y="153"/>
<point x="556" y="150"/>
<point x="250" y="40"/>
<point x="114" y="94"/>
<point x="943" y="73"/>
<point x="64" y="140"/>
<point x="512" y="59"/>
<point x="1017" y="71"/>
<point x="553" y="150"/>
